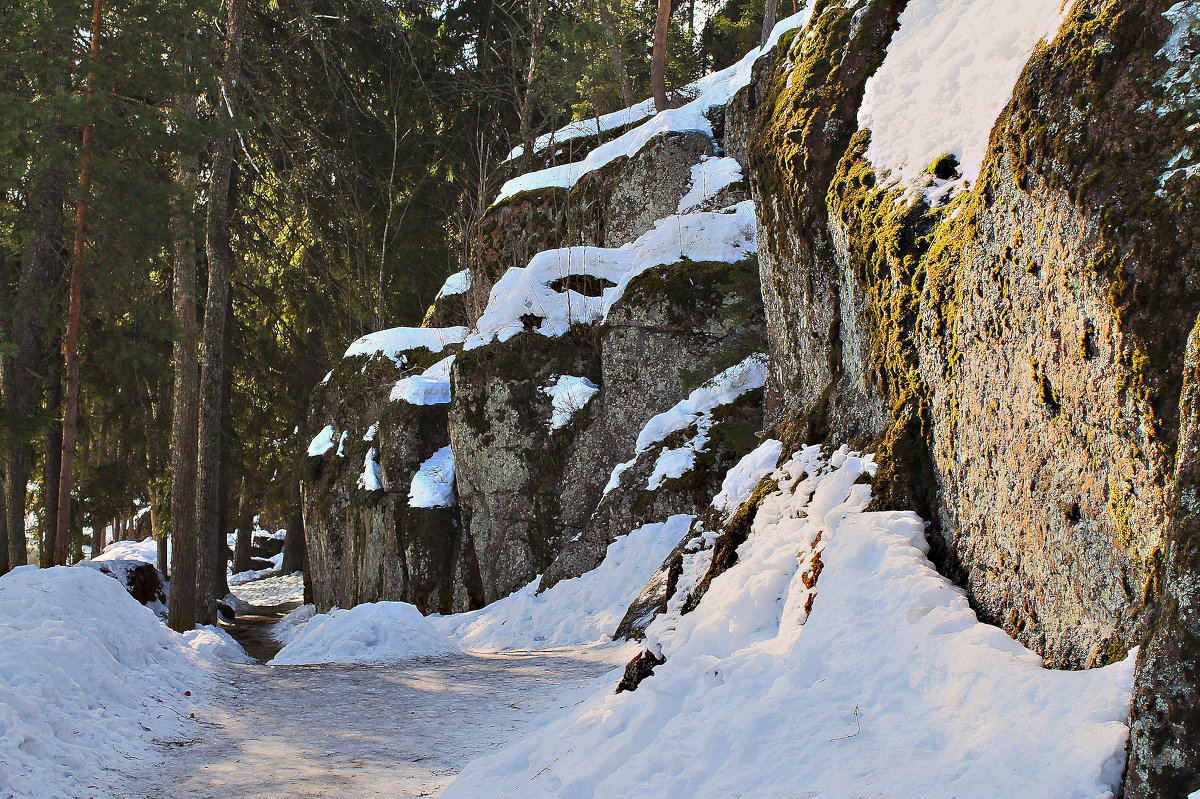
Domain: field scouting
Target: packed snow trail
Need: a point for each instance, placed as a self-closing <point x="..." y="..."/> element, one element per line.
<point x="406" y="730"/>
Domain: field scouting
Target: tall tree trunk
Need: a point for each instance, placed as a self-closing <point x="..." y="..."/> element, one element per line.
<point x="75" y="305"/>
<point x="658" y="56"/>
<point x="245" y="515"/>
<point x="220" y="575"/>
<point x="52" y="461"/>
<point x="611" y="25"/>
<point x="212" y="364"/>
<point x="768" y="21"/>
<point x="181" y="613"/>
<point x="294" y="546"/>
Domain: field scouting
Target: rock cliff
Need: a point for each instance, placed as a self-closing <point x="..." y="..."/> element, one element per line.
<point x="962" y="233"/>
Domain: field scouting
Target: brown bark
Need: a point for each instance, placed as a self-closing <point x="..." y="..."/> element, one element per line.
<point x="768" y="21"/>
<point x="295" y="548"/>
<point x="75" y="305"/>
<point x="244" y="521"/>
<point x="182" y="611"/>
<point x="658" y="56"/>
<point x="212" y="364"/>
<point x="52" y="459"/>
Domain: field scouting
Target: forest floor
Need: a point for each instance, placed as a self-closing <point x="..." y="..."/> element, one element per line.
<point x="403" y="730"/>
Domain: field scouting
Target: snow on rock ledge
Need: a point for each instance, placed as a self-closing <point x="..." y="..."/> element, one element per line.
<point x="392" y="343"/>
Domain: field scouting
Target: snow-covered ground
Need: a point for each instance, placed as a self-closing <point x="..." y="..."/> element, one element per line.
<point x="87" y="678"/>
<point x="268" y="591"/>
<point x="832" y="660"/>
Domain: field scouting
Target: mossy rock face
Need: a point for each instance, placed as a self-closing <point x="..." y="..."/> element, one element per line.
<point x="1164" y="748"/>
<point x="513" y="472"/>
<point x="369" y="546"/>
<point x="806" y="110"/>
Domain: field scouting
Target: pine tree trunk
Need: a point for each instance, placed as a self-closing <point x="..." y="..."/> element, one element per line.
<point x="241" y="552"/>
<point x="182" y="614"/>
<point x="212" y="364"/>
<point x="295" y="548"/>
<point x="768" y="21"/>
<point x="658" y="57"/>
<point x="52" y="461"/>
<point x="75" y="306"/>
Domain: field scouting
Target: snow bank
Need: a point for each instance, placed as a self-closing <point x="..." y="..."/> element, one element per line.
<point x="215" y="644"/>
<point x="290" y="625"/>
<point x="709" y="92"/>
<point x="377" y="632"/>
<point x="948" y="73"/>
<point x="709" y="178"/>
<point x="694" y="411"/>
<point x="393" y="343"/>
<point x="878" y="681"/>
<point x="567" y="396"/>
<point x="433" y="484"/>
<point x="87" y="677"/>
<point x="580" y="611"/>
<point x="724" y="236"/>
<point x="431" y="387"/>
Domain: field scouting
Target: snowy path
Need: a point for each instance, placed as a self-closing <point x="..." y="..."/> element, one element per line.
<point x="360" y="731"/>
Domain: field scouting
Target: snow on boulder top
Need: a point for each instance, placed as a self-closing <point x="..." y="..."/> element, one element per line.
<point x="376" y="632"/>
<point x="145" y="551"/>
<point x="433" y="484"/>
<point x="726" y="236"/>
<point x="709" y="177"/>
<point x="948" y="72"/>
<point x="371" y="478"/>
<point x="589" y="127"/>
<point x="568" y="394"/>
<point x="458" y="283"/>
<point x="394" y="342"/>
<point x="709" y="92"/>
<point x="431" y="387"/>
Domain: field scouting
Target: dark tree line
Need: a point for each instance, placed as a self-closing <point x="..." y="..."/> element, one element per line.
<point x="203" y="201"/>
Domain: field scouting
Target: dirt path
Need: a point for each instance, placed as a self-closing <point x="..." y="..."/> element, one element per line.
<point x="286" y="732"/>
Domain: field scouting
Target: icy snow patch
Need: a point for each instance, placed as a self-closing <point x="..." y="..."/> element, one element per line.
<point x="876" y="680"/>
<point x="726" y="236"/>
<point x="322" y="442"/>
<point x="744" y="477"/>
<point x="458" y="283"/>
<point x="431" y="387"/>
<point x="433" y="484"/>
<point x="709" y="178"/>
<point x="948" y="71"/>
<point x="710" y="91"/>
<point x="580" y="611"/>
<point x="394" y="342"/>
<point x="567" y="396"/>
<point x="371" y="478"/>
<point x="87" y="677"/>
<point x="274" y="590"/>
<point x="377" y="632"/>
<point x="694" y="411"/>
